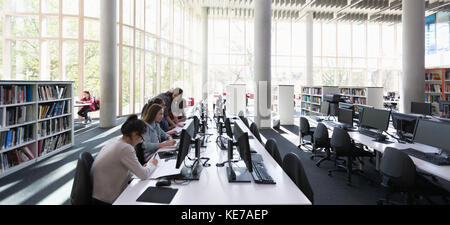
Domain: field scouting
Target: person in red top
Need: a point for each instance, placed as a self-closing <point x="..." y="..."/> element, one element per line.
<point x="84" y="111"/>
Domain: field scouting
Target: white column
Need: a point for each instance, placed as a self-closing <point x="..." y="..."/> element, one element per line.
<point x="262" y="37"/>
<point x="205" y="53"/>
<point x="309" y="49"/>
<point x="108" y="63"/>
<point x="413" y="81"/>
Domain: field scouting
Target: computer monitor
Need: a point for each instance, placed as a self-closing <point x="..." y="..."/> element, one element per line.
<point x="433" y="133"/>
<point x="333" y="109"/>
<point x="346" y="117"/>
<point x="244" y="151"/>
<point x="190" y="128"/>
<point x="183" y="148"/>
<point x="345" y="105"/>
<point x="404" y="124"/>
<point x="421" y="108"/>
<point x="228" y="128"/>
<point x="360" y="110"/>
<point x="375" y="118"/>
<point x="196" y="125"/>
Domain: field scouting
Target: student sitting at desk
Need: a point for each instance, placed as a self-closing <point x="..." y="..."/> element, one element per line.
<point x="111" y="168"/>
<point x="155" y="137"/>
<point x="85" y="109"/>
<point x="163" y="123"/>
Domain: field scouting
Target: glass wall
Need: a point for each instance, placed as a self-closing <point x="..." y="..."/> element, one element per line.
<point x="157" y="46"/>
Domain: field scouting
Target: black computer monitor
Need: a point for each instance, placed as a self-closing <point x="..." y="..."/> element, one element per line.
<point x="433" y="133"/>
<point x="360" y="110"/>
<point x="404" y="124"/>
<point x="421" y="108"/>
<point x="190" y="128"/>
<point x="333" y="109"/>
<point x="244" y="151"/>
<point x="346" y="105"/>
<point x="183" y="148"/>
<point x="375" y="118"/>
<point x="228" y="128"/>
<point x="196" y="125"/>
<point x="346" y="117"/>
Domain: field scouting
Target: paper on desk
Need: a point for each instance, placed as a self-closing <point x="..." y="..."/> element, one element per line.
<point x="176" y="129"/>
<point x="165" y="168"/>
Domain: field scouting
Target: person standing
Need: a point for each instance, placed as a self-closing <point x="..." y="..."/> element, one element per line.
<point x="168" y="98"/>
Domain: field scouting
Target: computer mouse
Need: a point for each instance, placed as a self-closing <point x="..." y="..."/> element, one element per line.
<point x="163" y="182"/>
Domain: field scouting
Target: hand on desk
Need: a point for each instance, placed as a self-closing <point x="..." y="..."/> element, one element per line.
<point x="153" y="161"/>
<point x="167" y="143"/>
<point x="172" y="132"/>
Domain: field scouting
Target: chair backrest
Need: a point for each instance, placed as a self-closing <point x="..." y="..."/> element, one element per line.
<point x="245" y="121"/>
<point x="294" y="169"/>
<point x="341" y="142"/>
<point x="82" y="184"/>
<point x="272" y="147"/>
<point x="321" y="138"/>
<point x="254" y="129"/>
<point x="398" y="167"/>
<point x="304" y="125"/>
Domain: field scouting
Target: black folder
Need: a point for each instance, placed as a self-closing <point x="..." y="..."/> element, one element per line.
<point x="158" y="195"/>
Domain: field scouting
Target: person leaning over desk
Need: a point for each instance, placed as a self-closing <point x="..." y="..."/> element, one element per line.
<point x="168" y="98"/>
<point x="155" y="137"/>
<point x="111" y="169"/>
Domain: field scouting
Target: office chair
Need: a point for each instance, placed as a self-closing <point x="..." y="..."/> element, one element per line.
<point x="254" y="129"/>
<point x="245" y="121"/>
<point x="82" y="184"/>
<point x="321" y="140"/>
<point x="140" y="153"/>
<point x="399" y="175"/>
<point x="272" y="147"/>
<point x="294" y="169"/>
<point x="305" y="130"/>
<point x="342" y="145"/>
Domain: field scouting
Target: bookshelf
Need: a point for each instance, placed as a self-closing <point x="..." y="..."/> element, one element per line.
<point x="236" y="95"/>
<point x="36" y="121"/>
<point x="437" y="86"/>
<point x="312" y="98"/>
<point x="372" y="96"/>
<point x="283" y="103"/>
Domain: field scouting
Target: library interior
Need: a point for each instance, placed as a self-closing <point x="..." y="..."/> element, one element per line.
<point x="225" y="102"/>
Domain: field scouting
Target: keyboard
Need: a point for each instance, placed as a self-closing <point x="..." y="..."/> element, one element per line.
<point x="332" y="124"/>
<point x="429" y="157"/>
<point x="316" y="118"/>
<point x="260" y="175"/>
<point x="368" y="133"/>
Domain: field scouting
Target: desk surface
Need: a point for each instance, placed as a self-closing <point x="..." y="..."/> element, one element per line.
<point x="440" y="171"/>
<point x="213" y="187"/>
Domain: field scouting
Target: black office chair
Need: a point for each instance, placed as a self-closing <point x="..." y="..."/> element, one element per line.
<point x="321" y="140"/>
<point x="245" y="121"/>
<point x="254" y="129"/>
<point x="294" y="169"/>
<point x="305" y="130"/>
<point x="82" y="184"/>
<point x="399" y="175"/>
<point x="342" y="145"/>
<point x="272" y="147"/>
<point x="140" y="153"/>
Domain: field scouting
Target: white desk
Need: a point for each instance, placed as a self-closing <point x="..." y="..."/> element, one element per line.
<point x="213" y="187"/>
<point x="81" y="104"/>
<point x="440" y="171"/>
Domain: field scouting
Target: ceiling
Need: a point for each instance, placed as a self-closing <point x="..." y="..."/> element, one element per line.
<point x="380" y="11"/>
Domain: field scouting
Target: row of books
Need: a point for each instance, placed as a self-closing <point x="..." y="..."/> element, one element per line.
<point x="53" y="143"/>
<point x="447" y="75"/>
<point x="359" y="92"/>
<point x="48" y="110"/>
<point x="432" y="98"/>
<point x="361" y="101"/>
<point x="312" y="91"/>
<point x="346" y="91"/>
<point x="18" y="115"/>
<point x="16" y="136"/>
<point x="14" y="94"/>
<point x="314" y="99"/>
<point x="433" y="88"/>
<point x="432" y="76"/>
<point x="52" y="126"/>
<point x="314" y="108"/>
<point x="51" y="92"/>
<point x="17" y="156"/>
<point x="447" y="88"/>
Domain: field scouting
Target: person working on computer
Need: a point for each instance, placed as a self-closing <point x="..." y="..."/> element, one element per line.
<point x="163" y="123"/>
<point x="111" y="168"/>
<point x="168" y="98"/>
<point x="155" y="137"/>
<point x="85" y="109"/>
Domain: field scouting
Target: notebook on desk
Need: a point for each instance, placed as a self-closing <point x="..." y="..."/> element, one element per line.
<point x="165" y="168"/>
<point x="158" y="195"/>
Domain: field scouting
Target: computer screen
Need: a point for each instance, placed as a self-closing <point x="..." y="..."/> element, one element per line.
<point x="421" y="108"/>
<point x="375" y="118"/>
<point x="196" y="125"/>
<point x="237" y="131"/>
<point x="404" y="122"/>
<point x="361" y="108"/>
<point x="346" y="116"/>
<point x="228" y="128"/>
<point x="346" y="105"/>
<point x="244" y="151"/>
<point x="433" y="133"/>
<point x="184" y="147"/>
<point x="333" y="109"/>
<point x="189" y="127"/>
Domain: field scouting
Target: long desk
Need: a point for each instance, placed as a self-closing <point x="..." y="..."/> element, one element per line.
<point x="440" y="171"/>
<point x="213" y="187"/>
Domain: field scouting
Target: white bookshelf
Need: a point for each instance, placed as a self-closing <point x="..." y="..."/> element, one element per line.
<point x="235" y="99"/>
<point x="372" y="96"/>
<point x="25" y="112"/>
<point x="283" y="103"/>
<point x="312" y="99"/>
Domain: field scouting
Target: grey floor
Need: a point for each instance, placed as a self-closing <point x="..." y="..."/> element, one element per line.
<point x="49" y="182"/>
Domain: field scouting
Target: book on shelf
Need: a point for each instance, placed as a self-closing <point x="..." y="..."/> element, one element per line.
<point x="447" y="75"/>
<point x="48" y="110"/>
<point x="432" y="98"/>
<point x="52" y="143"/>
<point x="51" y="92"/>
<point x="15" y="94"/>
<point x="49" y="127"/>
<point x="16" y="136"/>
<point x="433" y="88"/>
<point x="19" y="115"/>
<point x="432" y="76"/>
<point x="17" y="156"/>
<point x="359" y="92"/>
